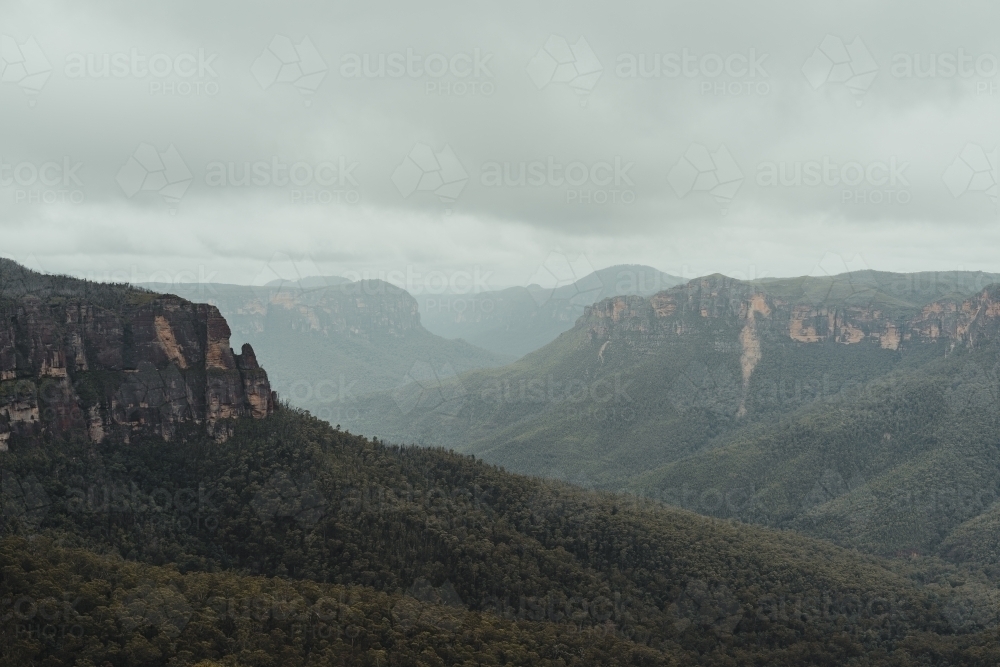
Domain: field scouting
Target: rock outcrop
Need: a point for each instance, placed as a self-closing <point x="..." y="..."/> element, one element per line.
<point x="78" y="359"/>
<point x="732" y="316"/>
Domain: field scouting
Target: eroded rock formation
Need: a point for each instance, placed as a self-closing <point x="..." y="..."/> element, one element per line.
<point x="734" y="316"/>
<point x="719" y="298"/>
<point x="135" y="363"/>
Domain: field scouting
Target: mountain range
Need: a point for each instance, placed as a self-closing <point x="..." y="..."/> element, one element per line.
<point x="330" y="341"/>
<point x="860" y="408"/>
<point x="205" y="522"/>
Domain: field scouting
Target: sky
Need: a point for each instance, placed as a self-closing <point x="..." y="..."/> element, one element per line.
<point x="472" y="146"/>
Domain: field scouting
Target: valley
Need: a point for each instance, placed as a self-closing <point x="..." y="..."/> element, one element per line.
<point x="204" y="518"/>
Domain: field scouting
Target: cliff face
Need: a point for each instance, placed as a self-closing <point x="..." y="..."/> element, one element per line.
<point x="363" y="310"/>
<point x="328" y="344"/>
<point x="144" y="363"/>
<point x="742" y="315"/>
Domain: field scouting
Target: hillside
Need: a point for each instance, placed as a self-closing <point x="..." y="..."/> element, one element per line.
<point x="290" y="525"/>
<point x="773" y="407"/>
<point x="270" y="537"/>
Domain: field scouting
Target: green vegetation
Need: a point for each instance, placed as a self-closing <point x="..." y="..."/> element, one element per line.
<point x="884" y="450"/>
<point x="891" y="467"/>
<point x="17" y="282"/>
<point x="570" y="411"/>
<point x="296" y="543"/>
<point x="177" y="552"/>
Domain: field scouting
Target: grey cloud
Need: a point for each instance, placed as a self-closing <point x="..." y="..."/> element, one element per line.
<point x="503" y="93"/>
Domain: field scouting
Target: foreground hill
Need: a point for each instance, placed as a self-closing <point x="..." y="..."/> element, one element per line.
<point x="293" y="539"/>
<point x="518" y="320"/>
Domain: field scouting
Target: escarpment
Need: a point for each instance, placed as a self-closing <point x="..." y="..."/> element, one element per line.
<point x="746" y="318"/>
<point x="81" y="359"/>
<point x="718" y="302"/>
<point x="364" y="310"/>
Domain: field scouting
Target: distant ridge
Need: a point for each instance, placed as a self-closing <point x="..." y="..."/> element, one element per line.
<point x="519" y="320"/>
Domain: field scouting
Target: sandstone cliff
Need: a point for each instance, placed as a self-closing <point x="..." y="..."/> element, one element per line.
<point x="326" y="344"/>
<point x="745" y="318"/>
<point x="79" y="358"/>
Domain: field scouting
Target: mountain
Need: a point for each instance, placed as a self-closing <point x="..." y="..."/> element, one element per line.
<point x="309" y="282"/>
<point x="291" y="542"/>
<point x="91" y="359"/>
<point x="519" y="320"/>
<point x="328" y="341"/>
<point x="789" y="403"/>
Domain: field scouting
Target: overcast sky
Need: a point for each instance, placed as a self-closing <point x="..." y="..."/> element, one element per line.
<point x="391" y="138"/>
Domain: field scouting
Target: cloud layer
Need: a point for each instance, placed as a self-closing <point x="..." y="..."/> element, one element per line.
<point x="186" y="140"/>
